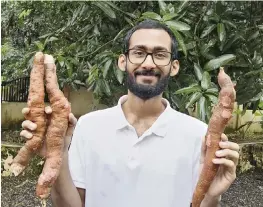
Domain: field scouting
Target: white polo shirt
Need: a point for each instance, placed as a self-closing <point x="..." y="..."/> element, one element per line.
<point x="118" y="169"/>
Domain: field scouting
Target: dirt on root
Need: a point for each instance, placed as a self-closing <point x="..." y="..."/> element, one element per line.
<point x="246" y="191"/>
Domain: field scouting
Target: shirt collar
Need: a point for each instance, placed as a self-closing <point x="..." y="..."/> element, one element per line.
<point x="160" y="125"/>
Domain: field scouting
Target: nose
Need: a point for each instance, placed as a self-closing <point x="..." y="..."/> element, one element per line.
<point x="148" y="63"/>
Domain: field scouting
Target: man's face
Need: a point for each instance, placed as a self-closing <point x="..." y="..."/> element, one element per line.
<point x="148" y="76"/>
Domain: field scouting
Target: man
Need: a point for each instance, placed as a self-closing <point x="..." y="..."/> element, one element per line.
<point x="141" y="152"/>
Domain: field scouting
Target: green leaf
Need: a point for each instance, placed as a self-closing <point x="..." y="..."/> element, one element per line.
<point x="178" y="25"/>
<point x="162" y="6"/>
<point x="105" y="8"/>
<point x="212" y="98"/>
<point x="231" y="24"/>
<point x="107" y="67"/>
<point x="194" y="97"/>
<point x="255" y="106"/>
<point x="106" y="87"/>
<point x="182" y="5"/>
<point x="119" y="75"/>
<point x="189" y="89"/>
<point x="201" y="109"/>
<point x="212" y="91"/>
<point x="207" y="30"/>
<point x="78" y="82"/>
<point x="180" y="40"/>
<point x="117" y="8"/>
<point x="198" y="71"/>
<point x="253" y="36"/>
<point x="152" y="15"/>
<point x="218" y="62"/>
<point x="206" y="80"/>
<point x="39" y="45"/>
<point x="167" y="17"/>
<point x="260" y="27"/>
<point x="231" y="41"/>
<point x="119" y="34"/>
<point x="221" y="31"/>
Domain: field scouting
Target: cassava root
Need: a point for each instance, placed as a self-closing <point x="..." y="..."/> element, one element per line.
<point x="222" y="113"/>
<point x="37" y="115"/>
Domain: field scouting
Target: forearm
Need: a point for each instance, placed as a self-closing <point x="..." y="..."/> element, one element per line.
<point x="64" y="193"/>
<point x="211" y="202"/>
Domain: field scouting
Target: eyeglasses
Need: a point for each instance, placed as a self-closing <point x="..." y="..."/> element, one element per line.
<point x="138" y="56"/>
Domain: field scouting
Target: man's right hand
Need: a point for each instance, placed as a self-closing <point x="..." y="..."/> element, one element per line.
<point x="28" y="127"/>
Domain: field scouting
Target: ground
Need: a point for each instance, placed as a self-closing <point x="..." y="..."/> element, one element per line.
<point x="246" y="191"/>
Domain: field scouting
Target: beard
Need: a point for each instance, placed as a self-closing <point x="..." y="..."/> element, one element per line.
<point x="144" y="91"/>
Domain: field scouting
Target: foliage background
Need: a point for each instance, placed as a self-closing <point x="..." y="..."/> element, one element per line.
<point x="86" y="39"/>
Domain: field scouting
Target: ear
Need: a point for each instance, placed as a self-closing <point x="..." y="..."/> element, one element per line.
<point x="122" y="62"/>
<point x="174" y="68"/>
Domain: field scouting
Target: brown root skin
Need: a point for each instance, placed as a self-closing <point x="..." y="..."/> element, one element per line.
<point x="221" y="115"/>
<point x="56" y="131"/>
<point x="37" y="115"/>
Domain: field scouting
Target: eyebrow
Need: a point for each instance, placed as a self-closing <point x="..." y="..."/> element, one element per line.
<point x="154" y="48"/>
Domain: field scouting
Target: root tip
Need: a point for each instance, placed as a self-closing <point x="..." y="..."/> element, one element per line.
<point x="16" y="168"/>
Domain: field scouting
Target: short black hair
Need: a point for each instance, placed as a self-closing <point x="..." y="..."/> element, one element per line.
<point x="152" y="24"/>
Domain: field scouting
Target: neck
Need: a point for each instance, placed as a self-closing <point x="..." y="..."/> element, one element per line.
<point x="143" y="108"/>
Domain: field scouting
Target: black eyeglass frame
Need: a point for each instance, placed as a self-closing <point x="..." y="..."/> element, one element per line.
<point x="147" y="53"/>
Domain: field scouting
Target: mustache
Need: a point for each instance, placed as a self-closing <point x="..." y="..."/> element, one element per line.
<point x="147" y="73"/>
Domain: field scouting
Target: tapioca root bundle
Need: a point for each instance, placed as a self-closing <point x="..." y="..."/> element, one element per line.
<point x="36" y="114"/>
<point x="52" y="132"/>
<point x="221" y="115"/>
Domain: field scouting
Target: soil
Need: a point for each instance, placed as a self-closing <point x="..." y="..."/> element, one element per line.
<point x="246" y="191"/>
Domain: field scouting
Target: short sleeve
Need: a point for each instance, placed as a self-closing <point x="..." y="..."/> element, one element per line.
<point x="76" y="157"/>
<point x="197" y="155"/>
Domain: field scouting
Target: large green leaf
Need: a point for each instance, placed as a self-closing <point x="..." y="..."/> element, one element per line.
<point x="218" y="62"/>
<point x="231" y="24"/>
<point x="202" y="109"/>
<point x="107" y="67"/>
<point x="180" y="40"/>
<point x="152" y="15"/>
<point x="178" y="25"/>
<point x="162" y="6"/>
<point x="212" y="91"/>
<point x="189" y="89"/>
<point x="105" y="8"/>
<point x="206" y="80"/>
<point x="221" y="31"/>
<point x="208" y="30"/>
<point x="119" y="75"/>
<point x="198" y="71"/>
<point x="213" y="99"/>
<point x="194" y="97"/>
<point x="167" y="17"/>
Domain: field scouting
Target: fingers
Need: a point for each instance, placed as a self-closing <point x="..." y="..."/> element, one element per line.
<point x="29" y="125"/>
<point x="229" y="154"/>
<point x="26" y="134"/>
<point x="48" y="110"/>
<point x="229" y="164"/>
<point x="224" y="137"/>
<point x="25" y="111"/>
<point x="229" y="145"/>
